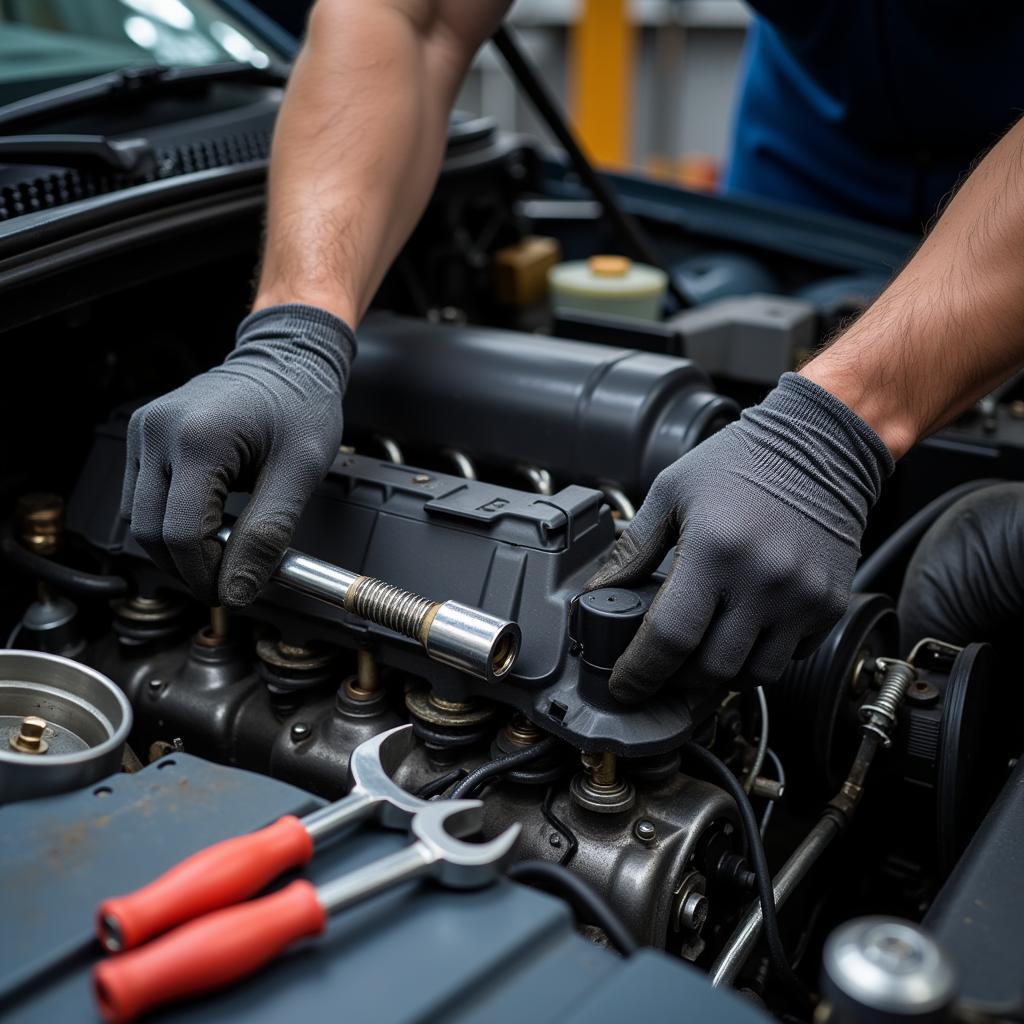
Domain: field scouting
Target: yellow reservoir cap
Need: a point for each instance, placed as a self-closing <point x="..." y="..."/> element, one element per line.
<point x="609" y="266"/>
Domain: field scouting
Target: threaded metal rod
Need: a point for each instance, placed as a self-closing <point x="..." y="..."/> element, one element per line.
<point x="389" y="606"/>
<point x="454" y="634"/>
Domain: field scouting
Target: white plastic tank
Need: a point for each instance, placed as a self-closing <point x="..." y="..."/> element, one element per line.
<point x="608" y="284"/>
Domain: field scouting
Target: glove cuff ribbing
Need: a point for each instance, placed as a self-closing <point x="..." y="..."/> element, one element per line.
<point x="817" y="406"/>
<point x="315" y="324"/>
<point x="816" y="453"/>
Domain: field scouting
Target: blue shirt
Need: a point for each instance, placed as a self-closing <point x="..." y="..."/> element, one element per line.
<point x="874" y="108"/>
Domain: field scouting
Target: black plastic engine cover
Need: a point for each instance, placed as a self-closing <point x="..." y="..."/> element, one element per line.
<point x="515" y="554"/>
<point x="588" y="413"/>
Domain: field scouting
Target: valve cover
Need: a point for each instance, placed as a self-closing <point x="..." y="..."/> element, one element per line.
<point x="516" y="554"/>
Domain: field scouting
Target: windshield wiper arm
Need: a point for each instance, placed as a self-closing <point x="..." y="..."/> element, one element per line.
<point x="139" y="82"/>
<point x="125" y="156"/>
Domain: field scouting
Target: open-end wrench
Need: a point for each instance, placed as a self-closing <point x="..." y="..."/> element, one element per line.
<point x="230" y="944"/>
<point x="238" y="868"/>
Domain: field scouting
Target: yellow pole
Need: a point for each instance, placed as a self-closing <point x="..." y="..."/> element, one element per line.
<point x="602" y="75"/>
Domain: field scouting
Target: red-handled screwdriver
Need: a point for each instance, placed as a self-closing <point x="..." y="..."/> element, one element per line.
<point x="230" y="944"/>
<point x="237" y="868"/>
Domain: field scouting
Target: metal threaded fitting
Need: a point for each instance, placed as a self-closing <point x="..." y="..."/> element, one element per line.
<point x="29" y="739"/>
<point x="879" y="715"/>
<point x="41" y="522"/>
<point x="390" y="606"/>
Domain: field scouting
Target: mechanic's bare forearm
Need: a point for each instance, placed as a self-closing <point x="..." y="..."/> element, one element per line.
<point x="950" y="327"/>
<point x="359" y="142"/>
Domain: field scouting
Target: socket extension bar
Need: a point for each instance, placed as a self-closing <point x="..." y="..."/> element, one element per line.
<point x="455" y="634"/>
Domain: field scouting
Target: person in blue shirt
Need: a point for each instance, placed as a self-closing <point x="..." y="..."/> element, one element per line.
<point x="875" y="109"/>
<point x="870" y="109"/>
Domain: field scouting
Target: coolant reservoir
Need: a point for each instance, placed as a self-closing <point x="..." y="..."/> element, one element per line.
<point x="608" y="284"/>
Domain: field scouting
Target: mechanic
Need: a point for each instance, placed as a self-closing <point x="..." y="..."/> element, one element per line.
<point x="870" y="109"/>
<point x="766" y="516"/>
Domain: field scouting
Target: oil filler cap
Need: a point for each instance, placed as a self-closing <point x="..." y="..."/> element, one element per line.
<point x="606" y="621"/>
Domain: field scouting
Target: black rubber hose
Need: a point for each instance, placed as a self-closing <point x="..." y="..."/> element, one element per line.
<point x="479" y="777"/>
<point x="965" y="581"/>
<point x="587" y="905"/>
<point x="755" y="851"/>
<point x="62" y="577"/>
<point x="533" y="85"/>
<point x="440" y="784"/>
<point x="908" y="534"/>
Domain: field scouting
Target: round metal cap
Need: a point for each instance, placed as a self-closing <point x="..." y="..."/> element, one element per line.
<point x="886" y="965"/>
<point x="86" y="720"/>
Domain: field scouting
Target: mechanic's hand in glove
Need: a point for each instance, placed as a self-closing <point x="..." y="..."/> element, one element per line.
<point x="267" y="420"/>
<point x="766" y="518"/>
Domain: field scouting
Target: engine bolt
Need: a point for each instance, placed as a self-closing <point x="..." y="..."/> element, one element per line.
<point x="421" y="478"/>
<point x="365" y="685"/>
<point x="218" y="623"/>
<point x="300" y="731"/>
<point x="598" y="787"/>
<point x="694" y="911"/>
<point x="555" y="839"/>
<point x="29" y="739"/>
<point x="601" y="768"/>
<point x="155" y="685"/>
<point x="521" y="732"/>
<point x="645" y="831"/>
<point x="41" y="522"/>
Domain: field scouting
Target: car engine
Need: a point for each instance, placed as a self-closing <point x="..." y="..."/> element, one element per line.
<point x="492" y="452"/>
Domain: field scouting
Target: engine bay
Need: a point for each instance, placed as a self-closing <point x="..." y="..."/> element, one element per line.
<point x="493" y="451"/>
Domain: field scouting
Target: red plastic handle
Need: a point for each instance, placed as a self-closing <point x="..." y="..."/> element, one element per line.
<point x="216" y="877"/>
<point x="206" y="954"/>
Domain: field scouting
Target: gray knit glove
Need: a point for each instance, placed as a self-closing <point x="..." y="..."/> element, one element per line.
<point x="766" y="517"/>
<point x="267" y="421"/>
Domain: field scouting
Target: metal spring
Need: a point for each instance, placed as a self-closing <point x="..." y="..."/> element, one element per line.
<point x="390" y="606"/>
<point x="898" y="677"/>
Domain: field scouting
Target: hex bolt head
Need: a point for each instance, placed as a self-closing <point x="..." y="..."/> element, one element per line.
<point x="155" y="685"/>
<point x="32" y="727"/>
<point x="421" y="478"/>
<point x="555" y="839"/>
<point x="300" y="731"/>
<point x="29" y="738"/>
<point x="645" y="831"/>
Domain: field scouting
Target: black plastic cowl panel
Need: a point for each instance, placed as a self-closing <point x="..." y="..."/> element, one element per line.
<point x="516" y="554"/>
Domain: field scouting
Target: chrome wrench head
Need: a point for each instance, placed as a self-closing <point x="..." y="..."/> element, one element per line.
<point x="370" y="769"/>
<point x="458" y="864"/>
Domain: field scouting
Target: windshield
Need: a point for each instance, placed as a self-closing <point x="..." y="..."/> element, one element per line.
<point x="48" y="43"/>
